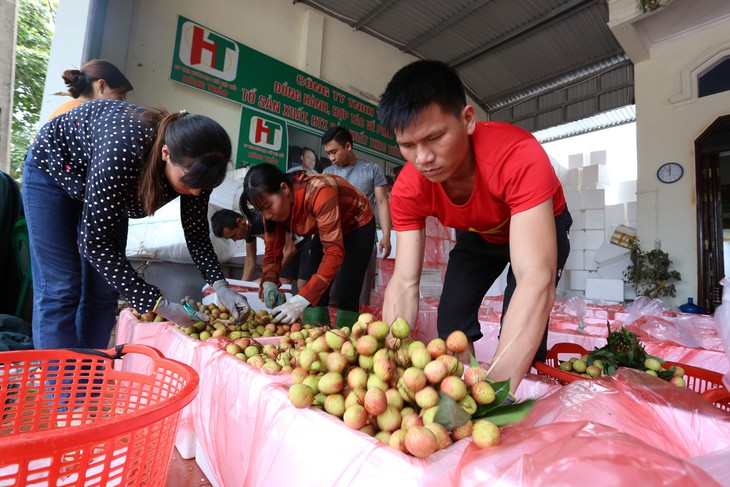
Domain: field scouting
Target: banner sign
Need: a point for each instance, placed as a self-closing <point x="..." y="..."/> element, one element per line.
<point x="262" y="139"/>
<point x="214" y="63"/>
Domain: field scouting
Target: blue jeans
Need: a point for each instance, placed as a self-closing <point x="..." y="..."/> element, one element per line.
<point x="73" y="305"/>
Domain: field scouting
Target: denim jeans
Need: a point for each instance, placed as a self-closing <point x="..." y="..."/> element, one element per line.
<point x="73" y="305"/>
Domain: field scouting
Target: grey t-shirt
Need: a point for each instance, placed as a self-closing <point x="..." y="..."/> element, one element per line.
<point x="364" y="175"/>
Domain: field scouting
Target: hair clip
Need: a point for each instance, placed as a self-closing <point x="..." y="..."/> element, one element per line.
<point x="183" y="112"/>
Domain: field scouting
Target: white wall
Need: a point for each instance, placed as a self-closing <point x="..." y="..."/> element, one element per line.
<point x="666" y="132"/>
<point x="291" y="33"/>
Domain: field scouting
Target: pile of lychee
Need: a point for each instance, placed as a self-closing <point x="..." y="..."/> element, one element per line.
<point x="583" y="367"/>
<point x="379" y="381"/>
<point x="257" y="325"/>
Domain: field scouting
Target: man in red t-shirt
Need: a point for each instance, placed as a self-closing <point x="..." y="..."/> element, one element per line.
<point x="495" y="185"/>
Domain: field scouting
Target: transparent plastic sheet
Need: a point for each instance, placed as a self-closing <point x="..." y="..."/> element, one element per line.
<point x="722" y="323"/>
<point x="251" y="435"/>
<point x="624" y="428"/>
<point x="175" y="344"/>
<point x="577" y="307"/>
<point x="644" y="306"/>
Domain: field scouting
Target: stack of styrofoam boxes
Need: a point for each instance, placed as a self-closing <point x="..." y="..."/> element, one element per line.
<point x="439" y="242"/>
<point x="593" y="225"/>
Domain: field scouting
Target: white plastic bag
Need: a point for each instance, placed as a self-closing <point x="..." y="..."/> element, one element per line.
<point x="722" y="323"/>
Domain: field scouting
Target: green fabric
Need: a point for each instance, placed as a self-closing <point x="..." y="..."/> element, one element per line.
<point x="11" y="209"/>
<point x="317" y="316"/>
<point x="346" y="318"/>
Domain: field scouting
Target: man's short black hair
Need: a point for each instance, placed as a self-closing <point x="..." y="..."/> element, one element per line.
<point x="415" y="87"/>
<point x="224" y="219"/>
<point x="337" y="133"/>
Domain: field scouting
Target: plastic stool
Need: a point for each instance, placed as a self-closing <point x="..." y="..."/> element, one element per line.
<point x="21" y="244"/>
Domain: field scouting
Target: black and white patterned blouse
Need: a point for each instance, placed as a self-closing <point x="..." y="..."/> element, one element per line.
<point x="95" y="152"/>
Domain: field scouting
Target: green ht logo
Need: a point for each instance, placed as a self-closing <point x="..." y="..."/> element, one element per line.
<point x="209" y="52"/>
<point x="265" y="133"/>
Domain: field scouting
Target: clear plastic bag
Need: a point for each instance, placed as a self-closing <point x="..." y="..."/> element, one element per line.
<point x="722" y="322"/>
<point x="577" y="306"/>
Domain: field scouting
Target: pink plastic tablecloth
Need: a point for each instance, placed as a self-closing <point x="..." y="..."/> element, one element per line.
<point x="619" y="429"/>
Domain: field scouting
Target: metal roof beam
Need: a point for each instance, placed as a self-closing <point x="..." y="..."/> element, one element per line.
<point x="539" y="23"/>
<point x="443" y="25"/>
<point x="373" y="13"/>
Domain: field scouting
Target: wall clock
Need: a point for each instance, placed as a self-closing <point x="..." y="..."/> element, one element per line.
<point x="671" y="172"/>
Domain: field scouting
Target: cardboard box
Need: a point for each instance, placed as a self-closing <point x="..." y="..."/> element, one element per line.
<point x="575" y="260"/>
<point x="598" y="157"/>
<point x="589" y="262"/>
<point x="593" y="199"/>
<point x="594" y="239"/>
<point x="578" y="280"/>
<point x="623" y="236"/>
<point x="610" y="254"/>
<point x="577" y="239"/>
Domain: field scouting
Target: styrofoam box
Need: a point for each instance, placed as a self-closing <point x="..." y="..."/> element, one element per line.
<point x="575" y="161"/>
<point x="615" y="214"/>
<point x="594" y="176"/>
<point x="631" y="212"/>
<point x="579" y="219"/>
<point x="577" y="239"/>
<point x="595" y="219"/>
<point x="594" y="239"/>
<point x="593" y="199"/>
<point x="572" y="199"/>
<point x="573" y="179"/>
<point x="575" y="261"/>
<point x="614" y="270"/>
<point x="609" y="253"/>
<point x="598" y="157"/>
<point x="589" y="262"/>
<point x="204" y="465"/>
<point x="605" y="289"/>
<point x="578" y="280"/>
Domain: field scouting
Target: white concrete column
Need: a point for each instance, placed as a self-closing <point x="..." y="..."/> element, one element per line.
<point x="67" y="50"/>
<point x="8" y="29"/>
<point x="312" y="45"/>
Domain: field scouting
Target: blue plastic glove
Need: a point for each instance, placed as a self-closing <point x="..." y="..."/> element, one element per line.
<point x="290" y="311"/>
<point x="177" y="314"/>
<point x="237" y="304"/>
<point x="272" y="295"/>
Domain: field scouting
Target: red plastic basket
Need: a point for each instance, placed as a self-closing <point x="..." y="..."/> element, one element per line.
<point x="70" y="418"/>
<point x="706" y="383"/>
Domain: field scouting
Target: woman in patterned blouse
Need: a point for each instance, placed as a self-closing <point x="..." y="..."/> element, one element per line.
<point x="340" y="218"/>
<point x="86" y="170"/>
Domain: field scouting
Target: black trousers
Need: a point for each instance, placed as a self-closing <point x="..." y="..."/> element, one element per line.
<point x="474" y="265"/>
<point x="358" y="249"/>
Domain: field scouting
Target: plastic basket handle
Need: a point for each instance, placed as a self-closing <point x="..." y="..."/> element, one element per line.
<point x="119" y="351"/>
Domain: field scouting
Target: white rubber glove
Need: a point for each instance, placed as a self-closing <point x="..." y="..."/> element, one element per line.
<point x="177" y="314"/>
<point x="271" y="294"/>
<point x="237" y="304"/>
<point x="290" y="311"/>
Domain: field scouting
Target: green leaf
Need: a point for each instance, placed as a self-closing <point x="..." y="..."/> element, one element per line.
<point x="501" y="391"/>
<point x="449" y="414"/>
<point x="665" y="374"/>
<point x="508" y="414"/>
<point x="474" y="362"/>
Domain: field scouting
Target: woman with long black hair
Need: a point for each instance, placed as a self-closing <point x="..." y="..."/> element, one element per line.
<point x="341" y="220"/>
<point x="89" y="168"/>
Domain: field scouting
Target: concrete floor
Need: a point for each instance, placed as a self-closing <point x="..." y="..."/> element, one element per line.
<point x="185" y="473"/>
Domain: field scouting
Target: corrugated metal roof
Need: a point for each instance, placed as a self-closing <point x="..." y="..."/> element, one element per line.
<point x="508" y="51"/>
<point x="600" y="121"/>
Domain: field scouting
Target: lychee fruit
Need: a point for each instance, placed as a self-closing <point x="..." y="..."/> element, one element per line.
<point x="485" y="433"/>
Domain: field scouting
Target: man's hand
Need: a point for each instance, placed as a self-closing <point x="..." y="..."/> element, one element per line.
<point x="237" y="304"/>
<point x="384" y="246"/>
<point x="290" y="311"/>
<point x="177" y="314"/>
<point x="271" y="294"/>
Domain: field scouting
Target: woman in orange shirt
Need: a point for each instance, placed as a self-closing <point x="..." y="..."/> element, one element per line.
<point x="341" y="221"/>
<point x="96" y="80"/>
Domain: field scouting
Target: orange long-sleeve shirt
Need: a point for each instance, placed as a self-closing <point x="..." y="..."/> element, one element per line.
<point x="324" y="205"/>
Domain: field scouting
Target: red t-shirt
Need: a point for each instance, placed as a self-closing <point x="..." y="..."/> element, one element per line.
<point x="512" y="174"/>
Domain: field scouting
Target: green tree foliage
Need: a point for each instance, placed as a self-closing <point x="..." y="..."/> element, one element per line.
<point x="649" y="272"/>
<point x="33" y="46"/>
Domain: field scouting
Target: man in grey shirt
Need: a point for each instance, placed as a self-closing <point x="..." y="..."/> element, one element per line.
<point x="367" y="177"/>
